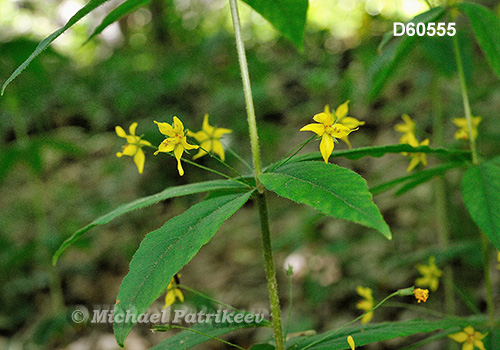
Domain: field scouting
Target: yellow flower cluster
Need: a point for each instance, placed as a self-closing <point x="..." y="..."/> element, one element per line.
<point x="176" y="142"/>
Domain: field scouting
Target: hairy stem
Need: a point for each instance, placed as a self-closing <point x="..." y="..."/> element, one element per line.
<point x="272" y="285"/>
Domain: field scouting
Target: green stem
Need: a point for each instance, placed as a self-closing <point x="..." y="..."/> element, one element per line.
<point x="465" y="99"/>
<point x="252" y="124"/>
<point x="468" y="116"/>
<point x="441" y="200"/>
<point x="272" y="285"/>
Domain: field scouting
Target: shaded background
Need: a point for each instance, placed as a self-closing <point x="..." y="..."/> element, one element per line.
<point x="58" y="169"/>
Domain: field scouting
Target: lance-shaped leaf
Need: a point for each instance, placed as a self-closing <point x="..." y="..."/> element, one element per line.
<point x="91" y="5"/>
<point x="379" y="151"/>
<point x="221" y="323"/>
<point x="392" y="55"/>
<point x="333" y="190"/>
<point x="486" y="26"/>
<point x="170" y="192"/>
<point x="372" y="333"/>
<point x="123" y="9"/>
<point x="481" y="193"/>
<point x="164" y="252"/>
<point x="287" y="16"/>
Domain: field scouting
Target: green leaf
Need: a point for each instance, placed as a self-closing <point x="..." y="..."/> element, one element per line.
<point x="371" y="333"/>
<point x="379" y="151"/>
<point x="393" y="55"/>
<point x="486" y="26"/>
<point x="481" y="193"/>
<point x="124" y="9"/>
<point x="170" y="192"/>
<point x="414" y="179"/>
<point x="331" y="189"/>
<point x="91" y="5"/>
<point x="287" y="16"/>
<point x="164" y="252"/>
<point x="188" y="339"/>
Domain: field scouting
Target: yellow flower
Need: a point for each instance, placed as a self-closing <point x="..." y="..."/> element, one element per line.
<point x="367" y="304"/>
<point x="421" y="294"/>
<point x="407" y="128"/>
<point x="209" y="139"/>
<point x="330" y="129"/>
<point x="416" y="158"/>
<point x="133" y="147"/>
<point x="350" y="341"/>
<point x="470" y="338"/>
<point x="430" y="275"/>
<point x="344" y="119"/>
<point x="176" y="141"/>
<point x="173" y="292"/>
<point x="498" y="260"/>
<point x="463" y="132"/>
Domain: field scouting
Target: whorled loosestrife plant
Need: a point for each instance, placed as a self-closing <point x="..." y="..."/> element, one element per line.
<point x="309" y="179"/>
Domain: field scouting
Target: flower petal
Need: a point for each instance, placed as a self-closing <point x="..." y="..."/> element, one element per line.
<point x="132" y="128"/>
<point x="413" y="163"/>
<point x="199" y="136"/>
<point x="186" y="145"/>
<point x="207" y="127"/>
<point x="218" y="149"/>
<point x="351" y="122"/>
<point x="326" y="146"/>
<point x="459" y="337"/>
<point x="342" y="110"/>
<point x="350" y="341"/>
<point x="120" y="132"/>
<point x="323" y="118"/>
<point x="221" y="131"/>
<point x="178" y="126"/>
<point x="169" y="299"/>
<point x="319" y="129"/>
<point x="139" y="160"/>
<point x="339" y="130"/>
<point x="178" y="154"/>
<point x="165" y="129"/>
<point x="129" y="150"/>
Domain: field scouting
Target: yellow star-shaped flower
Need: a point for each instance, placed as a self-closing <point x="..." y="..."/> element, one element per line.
<point x="416" y="158"/>
<point x="176" y="141"/>
<point x="463" y="128"/>
<point x="133" y="147"/>
<point x="330" y="129"/>
<point x="407" y="128"/>
<point x="470" y="338"/>
<point x="209" y="139"/>
<point x="366" y="304"/>
<point x="430" y="275"/>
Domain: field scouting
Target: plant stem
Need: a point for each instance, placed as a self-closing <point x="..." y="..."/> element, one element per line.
<point x="484" y="240"/>
<point x="252" y="124"/>
<point x="465" y="99"/>
<point x="272" y="285"/>
<point x="441" y="200"/>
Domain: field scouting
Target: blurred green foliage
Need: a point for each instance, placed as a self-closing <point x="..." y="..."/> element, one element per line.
<point x="58" y="170"/>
